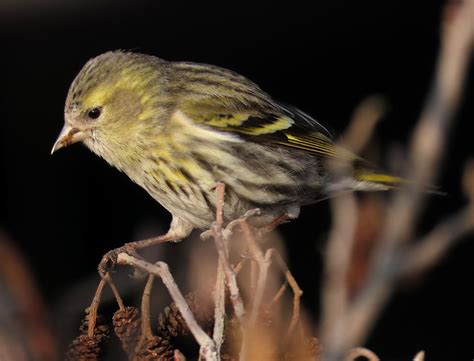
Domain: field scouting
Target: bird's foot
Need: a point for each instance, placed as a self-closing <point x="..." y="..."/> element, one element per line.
<point x="109" y="260"/>
<point x="229" y="229"/>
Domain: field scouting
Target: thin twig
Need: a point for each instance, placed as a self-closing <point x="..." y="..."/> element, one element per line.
<point x="362" y="124"/>
<point x="429" y="250"/>
<point x="297" y="292"/>
<point x="279" y="294"/>
<point x="361" y="352"/>
<point x="239" y="266"/>
<point x="147" y="333"/>
<point x="420" y="356"/>
<point x="115" y="291"/>
<point x="221" y="245"/>
<point x="234" y="292"/>
<point x="219" y="290"/>
<point x="92" y="318"/>
<point x="220" y="193"/>
<point x="263" y="262"/>
<point x="254" y="273"/>
<point x="160" y="269"/>
<point x="336" y="267"/>
<point x="219" y="307"/>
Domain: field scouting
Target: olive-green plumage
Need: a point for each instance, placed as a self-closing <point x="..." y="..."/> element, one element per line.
<point x="177" y="128"/>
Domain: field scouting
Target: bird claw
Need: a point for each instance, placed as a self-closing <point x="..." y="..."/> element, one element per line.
<point x="109" y="260"/>
<point x="229" y="229"/>
<point x="249" y="214"/>
<point x="206" y="235"/>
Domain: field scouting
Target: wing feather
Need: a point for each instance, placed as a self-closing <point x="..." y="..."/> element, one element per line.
<point x="289" y="128"/>
<point x="264" y="121"/>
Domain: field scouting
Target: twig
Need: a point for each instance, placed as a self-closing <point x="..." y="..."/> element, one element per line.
<point x="239" y="266"/>
<point x="427" y="146"/>
<point x="254" y="272"/>
<point x="363" y="123"/>
<point x="337" y="262"/>
<point x="361" y="352"/>
<point x="279" y="294"/>
<point x="428" y="251"/>
<point x="147" y="333"/>
<point x="429" y="138"/>
<point x="420" y="356"/>
<point x="341" y="239"/>
<point x="115" y="291"/>
<point x="220" y="193"/>
<point x="94" y="307"/>
<point x="263" y="262"/>
<point x="160" y="269"/>
<point x="219" y="308"/>
<point x="221" y="245"/>
<point x="297" y="292"/>
<point x="219" y="290"/>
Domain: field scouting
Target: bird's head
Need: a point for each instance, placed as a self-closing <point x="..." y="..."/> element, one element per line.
<point x="111" y="101"/>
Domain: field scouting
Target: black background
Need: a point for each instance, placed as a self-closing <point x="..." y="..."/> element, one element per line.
<point x="65" y="211"/>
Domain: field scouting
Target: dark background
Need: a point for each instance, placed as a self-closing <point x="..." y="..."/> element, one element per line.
<point x="65" y="211"/>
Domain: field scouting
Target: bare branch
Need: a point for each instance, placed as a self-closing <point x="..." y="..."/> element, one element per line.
<point x="361" y="352"/>
<point x="146" y="324"/>
<point x="93" y="308"/>
<point x="348" y="324"/>
<point x="420" y="356"/>
<point x="263" y="262"/>
<point x="221" y="245"/>
<point x="428" y="251"/>
<point x="219" y="307"/>
<point x="337" y="261"/>
<point x="115" y="291"/>
<point x="160" y="269"/>
<point x="297" y="292"/>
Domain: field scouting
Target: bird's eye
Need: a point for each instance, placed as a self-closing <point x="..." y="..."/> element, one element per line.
<point x="94" y="113"/>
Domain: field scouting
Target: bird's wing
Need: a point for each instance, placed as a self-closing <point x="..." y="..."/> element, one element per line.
<point x="278" y="125"/>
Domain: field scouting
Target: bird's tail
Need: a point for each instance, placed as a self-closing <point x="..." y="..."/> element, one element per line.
<point x="366" y="180"/>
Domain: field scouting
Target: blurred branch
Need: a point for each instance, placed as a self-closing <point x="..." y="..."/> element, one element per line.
<point x="420" y="356"/>
<point x="347" y="323"/>
<point x="361" y="352"/>
<point x="33" y="325"/>
<point x="429" y="138"/>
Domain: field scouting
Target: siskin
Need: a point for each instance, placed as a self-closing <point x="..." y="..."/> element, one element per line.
<point x="178" y="128"/>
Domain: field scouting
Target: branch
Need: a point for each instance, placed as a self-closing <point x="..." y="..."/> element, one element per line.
<point x="221" y="246"/>
<point x="219" y="308"/>
<point x="351" y="327"/>
<point x="160" y="269"/>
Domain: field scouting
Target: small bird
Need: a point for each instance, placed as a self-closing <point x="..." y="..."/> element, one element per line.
<point x="178" y="128"/>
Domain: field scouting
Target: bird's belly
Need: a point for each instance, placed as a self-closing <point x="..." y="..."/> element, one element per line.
<point x="196" y="202"/>
<point x="255" y="177"/>
<point x="195" y="205"/>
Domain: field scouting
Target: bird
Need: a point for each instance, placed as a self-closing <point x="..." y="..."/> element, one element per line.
<point x="178" y="128"/>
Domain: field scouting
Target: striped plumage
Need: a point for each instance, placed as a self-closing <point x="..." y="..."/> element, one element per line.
<point x="177" y="128"/>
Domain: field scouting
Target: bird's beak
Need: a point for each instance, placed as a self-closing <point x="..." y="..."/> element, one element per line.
<point x="69" y="135"/>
